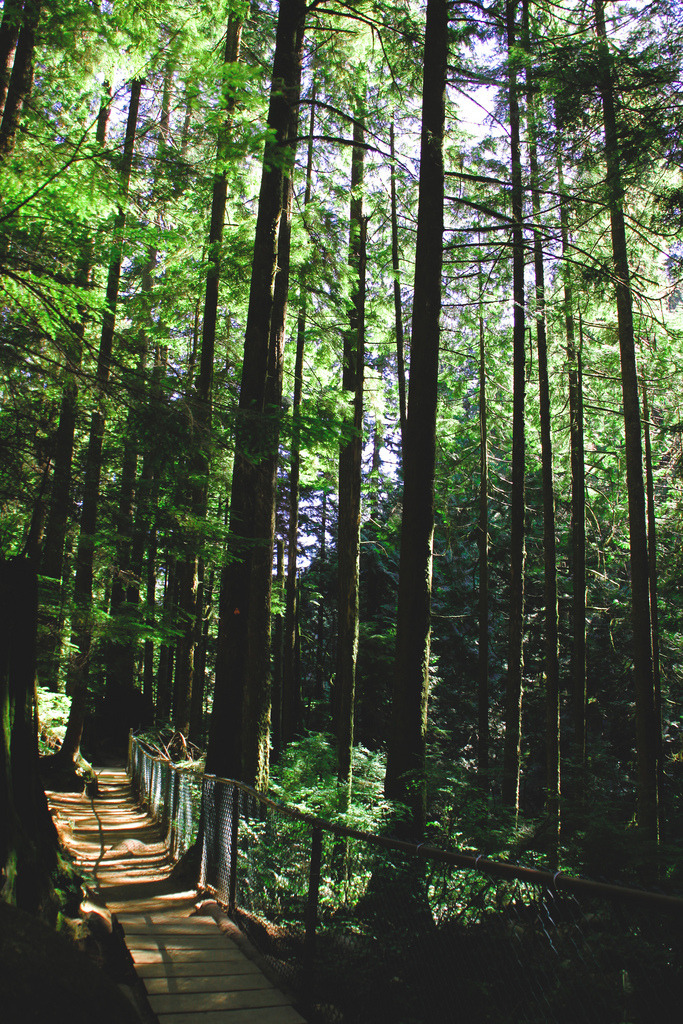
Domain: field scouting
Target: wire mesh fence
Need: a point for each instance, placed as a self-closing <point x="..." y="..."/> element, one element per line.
<point x="172" y="795"/>
<point x="368" y="929"/>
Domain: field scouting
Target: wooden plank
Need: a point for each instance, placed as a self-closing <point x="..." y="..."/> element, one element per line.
<point x="249" y="999"/>
<point x="218" y="983"/>
<point x="264" y="1015"/>
<point x="194" y="972"/>
<point x="157" y="956"/>
<point x="194" y="969"/>
<point x="167" y="925"/>
<point x="180" y="941"/>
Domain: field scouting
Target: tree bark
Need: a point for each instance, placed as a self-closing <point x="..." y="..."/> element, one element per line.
<point x="320" y="617"/>
<point x="646" y="731"/>
<point x="483" y="733"/>
<point x="60" y="505"/>
<point x="350" y="469"/>
<point x="652" y="564"/>
<point x="60" y="511"/>
<point x="21" y="78"/>
<point x="28" y="839"/>
<point x="513" y="686"/>
<point x="9" y="33"/>
<point x="405" y="775"/>
<point x="278" y="637"/>
<point x="201" y="405"/>
<point x="197" y="730"/>
<point x="398" y="305"/>
<point x="257" y="669"/>
<point x="291" y="704"/>
<point x="225" y="754"/>
<point x="164" y="696"/>
<point x="578" y="474"/>
<point x="551" y="660"/>
<point x="77" y="679"/>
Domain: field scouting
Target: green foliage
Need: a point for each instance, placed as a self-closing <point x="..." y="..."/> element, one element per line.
<point x="53" y="715"/>
<point x="305" y="777"/>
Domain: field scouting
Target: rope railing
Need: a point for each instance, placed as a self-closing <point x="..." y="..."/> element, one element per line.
<point x="372" y="929"/>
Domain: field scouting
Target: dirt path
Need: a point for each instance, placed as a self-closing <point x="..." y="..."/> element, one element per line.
<point x="194" y="964"/>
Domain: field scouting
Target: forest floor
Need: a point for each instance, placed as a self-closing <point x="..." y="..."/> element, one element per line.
<point x="193" y="962"/>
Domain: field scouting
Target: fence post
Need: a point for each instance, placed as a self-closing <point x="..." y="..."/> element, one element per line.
<point x="234" y="837"/>
<point x="312" y="899"/>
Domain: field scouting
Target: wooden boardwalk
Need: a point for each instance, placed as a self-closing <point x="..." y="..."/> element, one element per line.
<point x="196" y="966"/>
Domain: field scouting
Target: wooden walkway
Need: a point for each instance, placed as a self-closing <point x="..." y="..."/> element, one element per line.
<point x="196" y="966"/>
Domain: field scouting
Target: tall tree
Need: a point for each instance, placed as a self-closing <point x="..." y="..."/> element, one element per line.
<point x="398" y="305"/>
<point x="350" y="466"/>
<point x="513" y="687"/>
<point x="483" y="732"/>
<point x="21" y="80"/>
<point x="28" y="838"/>
<point x="59" y="512"/>
<point x="551" y="660"/>
<point x="201" y="397"/>
<point x="225" y="753"/>
<point x="405" y="773"/>
<point x="83" y="583"/>
<point x="654" y="589"/>
<point x="291" y="682"/>
<point x="9" y="33"/>
<point x="578" y="481"/>
<point x="646" y="726"/>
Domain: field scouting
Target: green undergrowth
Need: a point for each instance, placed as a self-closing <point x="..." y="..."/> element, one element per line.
<point x="305" y="778"/>
<point x="53" y="715"/>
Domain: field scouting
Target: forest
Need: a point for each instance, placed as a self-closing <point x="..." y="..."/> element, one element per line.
<point x="340" y="424"/>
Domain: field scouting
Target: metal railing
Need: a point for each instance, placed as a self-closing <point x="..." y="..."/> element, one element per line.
<point x="369" y="929"/>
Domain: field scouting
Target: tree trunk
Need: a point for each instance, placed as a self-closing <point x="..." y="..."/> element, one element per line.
<point x="28" y="839"/>
<point x="60" y="510"/>
<point x="483" y="734"/>
<point x="164" y="699"/>
<point x="551" y="661"/>
<point x="405" y="775"/>
<point x="291" y="704"/>
<point x="9" y="33"/>
<point x="513" y="687"/>
<point x="278" y="637"/>
<point x="350" y="468"/>
<point x="320" y="617"/>
<point x="398" y="305"/>
<point x="652" y="563"/>
<point x="578" y="514"/>
<point x="257" y="669"/>
<point x="144" y="536"/>
<point x="21" y="79"/>
<point x="197" y="729"/>
<point x="201" y="405"/>
<point x="646" y="731"/>
<point x="224" y="755"/>
<point x="150" y="616"/>
<point x="77" y="680"/>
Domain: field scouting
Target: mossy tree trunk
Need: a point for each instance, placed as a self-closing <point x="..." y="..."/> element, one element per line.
<point x="28" y="839"/>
